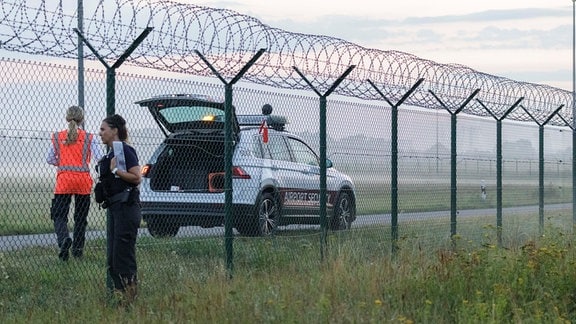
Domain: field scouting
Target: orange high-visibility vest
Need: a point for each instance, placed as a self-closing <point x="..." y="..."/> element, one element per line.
<point x="73" y="162"/>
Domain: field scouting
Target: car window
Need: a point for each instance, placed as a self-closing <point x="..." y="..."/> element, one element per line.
<point x="257" y="147"/>
<point x="180" y="114"/>
<point x="303" y="153"/>
<point x="277" y="148"/>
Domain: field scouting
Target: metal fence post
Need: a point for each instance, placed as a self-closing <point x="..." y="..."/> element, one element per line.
<point x="394" y="159"/>
<point x="541" y="164"/>
<point x="80" y="54"/>
<point x="111" y="105"/>
<point x="228" y="152"/>
<point x="453" y="158"/>
<point x="323" y="192"/>
<point x="499" y="164"/>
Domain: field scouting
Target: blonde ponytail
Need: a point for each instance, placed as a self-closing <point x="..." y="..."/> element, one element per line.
<point x="74" y="117"/>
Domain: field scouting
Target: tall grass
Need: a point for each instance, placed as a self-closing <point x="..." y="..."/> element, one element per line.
<point x="431" y="279"/>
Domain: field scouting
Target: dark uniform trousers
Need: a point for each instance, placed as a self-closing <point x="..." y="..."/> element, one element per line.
<point x="59" y="214"/>
<point x="122" y="230"/>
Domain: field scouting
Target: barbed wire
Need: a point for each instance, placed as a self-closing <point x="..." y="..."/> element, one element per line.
<point x="229" y="40"/>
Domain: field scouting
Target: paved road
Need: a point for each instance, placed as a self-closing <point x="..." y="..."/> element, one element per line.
<point x="14" y="242"/>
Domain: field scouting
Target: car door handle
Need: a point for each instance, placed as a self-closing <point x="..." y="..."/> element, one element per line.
<point x="313" y="170"/>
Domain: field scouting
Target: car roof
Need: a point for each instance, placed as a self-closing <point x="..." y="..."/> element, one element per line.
<point x="157" y="103"/>
<point x="276" y="122"/>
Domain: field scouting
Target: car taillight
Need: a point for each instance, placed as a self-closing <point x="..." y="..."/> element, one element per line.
<point x="145" y="170"/>
<point x="239" y="173"/>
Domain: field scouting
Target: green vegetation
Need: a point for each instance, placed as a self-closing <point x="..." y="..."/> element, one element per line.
<point x="436" y="197"/>
<point x="431" y="279"/>
<point x="25" y="205"/>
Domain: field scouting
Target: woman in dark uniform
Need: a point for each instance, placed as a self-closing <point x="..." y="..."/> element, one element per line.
<point x="120" y="182"/>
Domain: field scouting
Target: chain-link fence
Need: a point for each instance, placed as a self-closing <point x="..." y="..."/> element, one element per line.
<point x="36" y="95"/>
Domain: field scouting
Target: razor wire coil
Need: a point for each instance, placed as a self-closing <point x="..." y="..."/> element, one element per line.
<point x="229" y="39"/>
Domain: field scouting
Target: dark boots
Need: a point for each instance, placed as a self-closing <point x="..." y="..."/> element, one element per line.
<point x="131" y="293"/>
<point x="64" y="253"/>
<point x="126" y="295"/>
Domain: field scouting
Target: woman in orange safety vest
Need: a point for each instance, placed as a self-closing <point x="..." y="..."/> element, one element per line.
<point x="70" y="152"/>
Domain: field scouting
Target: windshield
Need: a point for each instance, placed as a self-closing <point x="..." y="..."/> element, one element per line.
<point x="185" y="114"/>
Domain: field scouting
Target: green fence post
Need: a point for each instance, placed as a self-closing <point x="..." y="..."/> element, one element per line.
<point x="111" y="105"/>
<point x="80" y="10"/>
<point x="394" y="160"/>
<point x="454" y="158"/>
<point x="323" y="192"/>
<point x="541" y="164"/>
<point x="499" y="165"/>
<point x="228" y="152"/>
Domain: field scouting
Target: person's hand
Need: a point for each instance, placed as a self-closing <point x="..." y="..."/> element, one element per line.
<point x="112" y="163"/>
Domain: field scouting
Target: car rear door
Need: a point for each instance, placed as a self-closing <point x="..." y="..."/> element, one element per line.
<point x="189" y="113"/>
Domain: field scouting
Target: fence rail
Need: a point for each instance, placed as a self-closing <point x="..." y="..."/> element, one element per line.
<point x="358" y="143"/>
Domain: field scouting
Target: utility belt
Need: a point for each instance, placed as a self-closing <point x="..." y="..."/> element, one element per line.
<point x="128" y="195"/>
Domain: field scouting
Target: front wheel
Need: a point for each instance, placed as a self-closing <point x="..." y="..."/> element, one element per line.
<point x="344" y="212"/>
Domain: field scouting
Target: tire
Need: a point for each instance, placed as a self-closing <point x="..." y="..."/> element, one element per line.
<point x="160" y="229"/>
<point x="344" y="212"/>
<point x="264" y="222"/>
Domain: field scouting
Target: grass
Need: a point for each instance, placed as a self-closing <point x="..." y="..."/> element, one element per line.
<point x="435" y="197"/>
<point x="431" y="278"/>
<point x="25" y="205"/>
<point x="470" y="278"/>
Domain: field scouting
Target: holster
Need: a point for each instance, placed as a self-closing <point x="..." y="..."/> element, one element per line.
<point x="99" y="192"/>
<point x="120" y="197"/>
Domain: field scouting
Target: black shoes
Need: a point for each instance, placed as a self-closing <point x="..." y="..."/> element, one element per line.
<point x="77" y="253"/>
<point x="65" y="249"/>
<point x="64" y="253"/>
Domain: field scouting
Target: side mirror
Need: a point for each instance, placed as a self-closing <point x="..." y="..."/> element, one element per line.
<point x="329" y="164"/>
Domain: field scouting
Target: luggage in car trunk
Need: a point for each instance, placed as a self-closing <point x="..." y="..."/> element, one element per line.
<point x="189" y="165"/>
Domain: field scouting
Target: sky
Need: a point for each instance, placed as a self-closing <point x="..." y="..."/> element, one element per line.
<point x="524" y="40"/>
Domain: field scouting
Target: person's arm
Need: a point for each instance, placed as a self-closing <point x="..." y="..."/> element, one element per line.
<point x="132" y="175"/>
<point x="96" y="149"/>
<point x="51" y="156"/>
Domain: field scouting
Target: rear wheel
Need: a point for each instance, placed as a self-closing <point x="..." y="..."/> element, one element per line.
<point x="265" y="220"/>
<point x="344" y="212"/>
<point x="158" y="228"/>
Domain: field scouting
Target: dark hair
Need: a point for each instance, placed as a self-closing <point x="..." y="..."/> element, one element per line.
<point x="118" y="122"/>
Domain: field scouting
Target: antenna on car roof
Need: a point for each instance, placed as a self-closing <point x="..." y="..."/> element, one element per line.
<point x="266" y="109"/>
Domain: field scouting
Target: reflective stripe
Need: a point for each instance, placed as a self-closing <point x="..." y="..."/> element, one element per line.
<point x="73" y="168"/>
<point x="87" y="137"/>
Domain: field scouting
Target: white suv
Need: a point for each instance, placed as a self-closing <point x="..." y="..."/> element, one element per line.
<point x="275" y="175"/>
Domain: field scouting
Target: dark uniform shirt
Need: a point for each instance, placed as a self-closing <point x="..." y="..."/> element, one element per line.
<point x="112" y="184"/>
